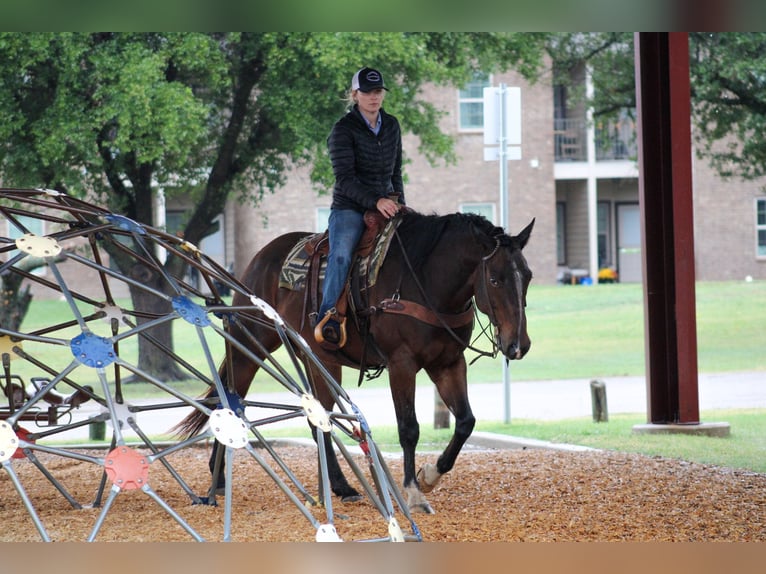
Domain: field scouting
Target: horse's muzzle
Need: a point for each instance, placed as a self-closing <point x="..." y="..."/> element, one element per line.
<point x="514" y="351"/>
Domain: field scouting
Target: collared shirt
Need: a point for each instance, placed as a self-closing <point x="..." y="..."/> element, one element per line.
<point x="376" y="128"/>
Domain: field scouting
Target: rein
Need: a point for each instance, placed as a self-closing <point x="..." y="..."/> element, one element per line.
<point x="428" y="313"/>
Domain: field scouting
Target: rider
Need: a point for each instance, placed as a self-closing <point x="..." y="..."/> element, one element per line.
<point x="365" y="149"/>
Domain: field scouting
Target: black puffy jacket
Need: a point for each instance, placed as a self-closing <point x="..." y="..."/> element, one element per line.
<point x="366" y="167"/>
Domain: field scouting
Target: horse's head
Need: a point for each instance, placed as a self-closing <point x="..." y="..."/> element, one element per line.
<point x="501" y="292"/>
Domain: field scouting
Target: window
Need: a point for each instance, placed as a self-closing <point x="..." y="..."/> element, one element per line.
<point x="214" y="245"/>
<point x="760" y="227"/>
<point x="175" y="221"/>
<point x="471" y="103"/>
<point x="485" y="209"/>
<point x="604" y="233"/>
<point x="561" y="233"/>
<point x="29" y="225"/>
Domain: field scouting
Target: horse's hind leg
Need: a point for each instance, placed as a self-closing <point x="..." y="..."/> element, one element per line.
<point x="338" y="483"/>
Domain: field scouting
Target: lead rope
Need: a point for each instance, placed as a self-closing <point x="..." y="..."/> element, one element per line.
<point x="427" y="300"/>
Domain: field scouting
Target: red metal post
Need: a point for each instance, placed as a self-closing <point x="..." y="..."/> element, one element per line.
<point x="665" y="195"/>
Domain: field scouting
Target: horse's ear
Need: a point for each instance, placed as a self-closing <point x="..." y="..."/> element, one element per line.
<point x="523" y="237"/>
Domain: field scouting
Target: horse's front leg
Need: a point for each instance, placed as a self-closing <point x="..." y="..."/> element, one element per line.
<point x="402" y="382"/>
<point x="452" y="386"/>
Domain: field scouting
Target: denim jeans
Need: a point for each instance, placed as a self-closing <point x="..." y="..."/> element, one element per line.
<point x="346" y="227"/>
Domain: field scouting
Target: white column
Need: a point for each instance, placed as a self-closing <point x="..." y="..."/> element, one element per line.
<point x="158" y="214"/>
<point x="590" y="139"/>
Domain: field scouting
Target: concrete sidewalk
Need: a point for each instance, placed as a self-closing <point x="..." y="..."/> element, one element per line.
<point x="561" y="399"/>
<point x="535" y="400"/>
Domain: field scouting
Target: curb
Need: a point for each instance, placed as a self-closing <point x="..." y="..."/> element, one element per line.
<point x="502" y="441"/>
<point x="478" y="439"/>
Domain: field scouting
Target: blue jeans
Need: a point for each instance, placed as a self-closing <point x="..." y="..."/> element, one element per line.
<point x="346" y="227"/>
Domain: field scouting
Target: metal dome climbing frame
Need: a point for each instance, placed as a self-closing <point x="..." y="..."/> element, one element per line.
<point x="50" y="371"/>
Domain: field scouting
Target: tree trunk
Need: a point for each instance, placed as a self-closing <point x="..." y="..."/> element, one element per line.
<point x="14" y="302"/>
<point x="151" y="358"/>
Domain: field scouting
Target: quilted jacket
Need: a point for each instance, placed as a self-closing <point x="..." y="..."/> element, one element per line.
<point x="366" y="166"/>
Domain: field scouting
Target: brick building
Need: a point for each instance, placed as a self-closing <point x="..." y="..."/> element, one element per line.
<point x="579" y="180"/>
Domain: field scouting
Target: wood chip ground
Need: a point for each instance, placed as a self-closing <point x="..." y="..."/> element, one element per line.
<point x="490" y="496"/>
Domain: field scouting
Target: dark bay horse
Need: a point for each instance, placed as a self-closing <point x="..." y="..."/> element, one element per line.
<point x="457" y="259"/>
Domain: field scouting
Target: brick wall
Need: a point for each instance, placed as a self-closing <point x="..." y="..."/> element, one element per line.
<point x="724" y="226"/>
<point x="443" y="188"/>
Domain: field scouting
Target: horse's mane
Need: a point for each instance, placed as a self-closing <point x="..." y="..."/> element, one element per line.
<point x="420" y="233"/>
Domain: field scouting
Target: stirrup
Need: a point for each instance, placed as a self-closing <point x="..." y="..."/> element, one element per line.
<point x="318" y="335"/>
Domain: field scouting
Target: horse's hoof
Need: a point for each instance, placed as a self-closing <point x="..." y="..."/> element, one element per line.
<point x="347" y="493"/>
<point x="416" y="502"/>
<point x="422" y="508"/>
<point x="428" y="477"/>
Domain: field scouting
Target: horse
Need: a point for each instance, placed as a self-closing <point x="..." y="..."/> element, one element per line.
<point x="438" y="265"/>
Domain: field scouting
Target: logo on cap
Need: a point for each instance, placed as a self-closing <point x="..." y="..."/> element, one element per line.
<point x="373" y="77"/>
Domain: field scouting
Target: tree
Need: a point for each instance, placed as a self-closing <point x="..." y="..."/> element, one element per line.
<point x="728" y="89"/>
<point x="729" y="96"/>
<point x="212" y="116"/>
<point x="15" y="295"/>
<point x="609" y="57"/>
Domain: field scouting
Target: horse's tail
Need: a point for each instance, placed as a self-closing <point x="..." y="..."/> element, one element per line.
<point x="193" y="423"/>
<point x="196" y="420"/>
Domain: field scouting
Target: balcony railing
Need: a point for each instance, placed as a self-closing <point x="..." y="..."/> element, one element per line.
<point x="569" y="140"/>
<point x="614" y="140"/>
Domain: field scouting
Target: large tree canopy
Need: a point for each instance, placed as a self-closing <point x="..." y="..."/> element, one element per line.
<point x="212" y="116"/>
<point x="729" y="95"/>
<point x="120" y="114"/>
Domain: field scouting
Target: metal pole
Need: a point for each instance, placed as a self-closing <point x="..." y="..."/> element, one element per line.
<point x="665" y="195"/>
<point x="504" y="224"/>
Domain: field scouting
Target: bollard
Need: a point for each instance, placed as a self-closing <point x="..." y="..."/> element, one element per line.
<point x="97" y="430"/>
<point x="441" y="412"/>
<point x="598" y="401"/>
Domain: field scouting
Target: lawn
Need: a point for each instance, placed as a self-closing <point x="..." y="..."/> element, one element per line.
<point x="578" y="332"/>
<point x="745" y="448"/>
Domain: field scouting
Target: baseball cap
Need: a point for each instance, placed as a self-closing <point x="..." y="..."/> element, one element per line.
<point x="366" y="80"/>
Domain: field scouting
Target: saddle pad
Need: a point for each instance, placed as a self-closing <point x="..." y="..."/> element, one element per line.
<point x="296" y="266"/>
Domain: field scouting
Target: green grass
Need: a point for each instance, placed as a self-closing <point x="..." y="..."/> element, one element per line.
<point x="577" y="332"/>
<point x="598" y="331"/>
<point x="745" y="448"/>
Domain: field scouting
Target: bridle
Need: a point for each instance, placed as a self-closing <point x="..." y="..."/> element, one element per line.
<point x="519" y="294"/>
<point x="483" y="286"/>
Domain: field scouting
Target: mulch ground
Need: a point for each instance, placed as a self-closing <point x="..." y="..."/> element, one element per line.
<point x="490" y="496"/>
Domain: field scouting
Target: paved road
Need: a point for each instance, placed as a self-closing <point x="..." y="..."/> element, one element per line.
<point x="538" y="400"/>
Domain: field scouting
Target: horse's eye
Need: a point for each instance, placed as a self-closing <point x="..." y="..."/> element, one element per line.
<point x="494" y="282"/>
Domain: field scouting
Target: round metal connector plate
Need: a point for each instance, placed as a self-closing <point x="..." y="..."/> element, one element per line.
<point x="38" y="246"/>
<point x="315" y="412"/>
<point x="9" y="442"/>
<point x="228" y="428"/>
